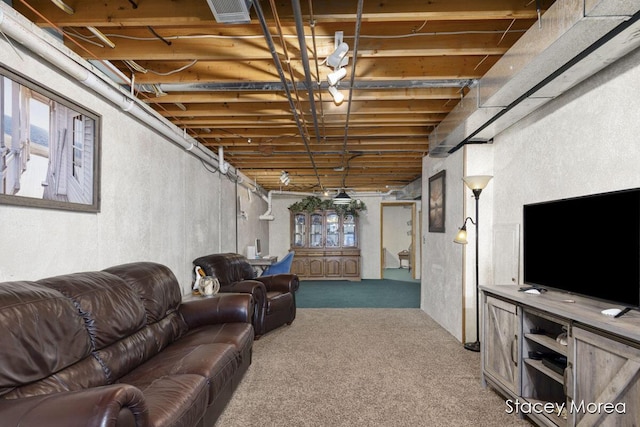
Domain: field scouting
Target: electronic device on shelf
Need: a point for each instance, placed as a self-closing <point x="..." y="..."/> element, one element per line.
<point x="258" y="249"/>
<point x="586" y="245"/>
<point x="556" y="363"/>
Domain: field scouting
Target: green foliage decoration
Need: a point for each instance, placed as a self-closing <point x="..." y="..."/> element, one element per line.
<point x="313" y="203"/>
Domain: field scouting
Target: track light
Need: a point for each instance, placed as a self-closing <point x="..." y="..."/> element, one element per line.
<point x="339" y="56"/>
<point x="338" y="97"/>
<point x="335" y="77"/>
<point x="104" y="39"/>
<point x="284" y="178"/>
<point x="62" y="5"/>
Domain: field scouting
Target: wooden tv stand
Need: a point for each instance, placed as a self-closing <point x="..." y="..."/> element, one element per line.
<point x="522" y="358"/>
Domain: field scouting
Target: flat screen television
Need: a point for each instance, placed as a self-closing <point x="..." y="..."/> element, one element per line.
<point x="586" y="245"/>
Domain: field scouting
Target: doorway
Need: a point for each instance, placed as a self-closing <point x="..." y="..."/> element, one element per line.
<point x="399" y="253"/>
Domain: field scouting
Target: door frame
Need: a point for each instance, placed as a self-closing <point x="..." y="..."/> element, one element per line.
<point x="413" y="235"/>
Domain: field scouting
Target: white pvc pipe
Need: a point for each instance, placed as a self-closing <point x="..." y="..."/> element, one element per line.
<point x="268" y="215"/>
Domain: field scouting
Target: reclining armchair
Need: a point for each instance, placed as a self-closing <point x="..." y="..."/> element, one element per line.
<point x="274" y="295"/>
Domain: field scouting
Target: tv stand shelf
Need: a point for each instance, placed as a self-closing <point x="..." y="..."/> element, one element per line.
<point x="557" y="354"/>
<point x="548" y="342"/>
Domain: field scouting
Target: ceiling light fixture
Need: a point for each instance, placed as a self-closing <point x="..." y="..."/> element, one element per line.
<point x="284" y="178"/>
<point x="342" y="198"/>
<point x="335" y="77"/>
<point x="104" y="39"/>
<point x="338" y="59"/>
<point x="62" y="5"/>
<point x="339" y="56"/>
<point x="338" y="97"/>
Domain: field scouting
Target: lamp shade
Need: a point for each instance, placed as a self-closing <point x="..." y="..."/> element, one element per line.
<point x="338" y="57"/>
<point x="477" y="182"/>
<point x="336" y="76"/>
<point x="338" y="97"/>
<point x="461" y="237"/>
<point x="342" y="198"/>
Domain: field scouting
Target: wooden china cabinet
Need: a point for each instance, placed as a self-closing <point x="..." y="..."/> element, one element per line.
<point x="326" y="245"/>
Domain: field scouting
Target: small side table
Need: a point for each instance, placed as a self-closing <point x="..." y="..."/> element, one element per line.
<point x="261" y="264"/>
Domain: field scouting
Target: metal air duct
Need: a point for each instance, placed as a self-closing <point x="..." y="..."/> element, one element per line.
<point x="575" y="39"/>
<point x="231" y="11"/>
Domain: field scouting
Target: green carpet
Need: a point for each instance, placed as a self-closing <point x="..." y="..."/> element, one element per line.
<point x="367" y="293"/>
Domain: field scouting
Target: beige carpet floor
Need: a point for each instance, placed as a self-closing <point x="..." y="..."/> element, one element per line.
<point x="364" y="367"/>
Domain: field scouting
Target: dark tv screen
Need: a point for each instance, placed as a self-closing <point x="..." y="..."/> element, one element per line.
<point x="588" y="245"/>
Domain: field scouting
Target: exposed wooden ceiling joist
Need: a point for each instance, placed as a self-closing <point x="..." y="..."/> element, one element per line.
<point x="220" y="83"/>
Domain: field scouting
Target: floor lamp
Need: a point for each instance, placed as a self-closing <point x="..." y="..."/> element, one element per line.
<point x="476" y="184"/>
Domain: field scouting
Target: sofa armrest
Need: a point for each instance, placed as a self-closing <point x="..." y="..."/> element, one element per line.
<point x="119" y="405"/>
<point x="248" y="286"/>
<point x="222" y="308"/>
<point x="284" y="282"/>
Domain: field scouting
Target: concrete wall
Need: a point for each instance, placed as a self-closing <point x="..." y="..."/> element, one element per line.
<point x="159" y="203"/>
<point x="584" y="142"/>
<point x="442" y="260"/>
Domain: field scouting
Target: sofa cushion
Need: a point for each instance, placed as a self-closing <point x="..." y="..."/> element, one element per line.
<point x="228" y="268"/>
<point x="174" y="400"/>
<point x="42" y="334"/>
<point x="126" y="354"/>
<point x="110" y="308"/>
<point x="216" y="362"/>
<point x="155" y="285"/>
<point x="240" y="335"/>
<point x="85" y="374"/>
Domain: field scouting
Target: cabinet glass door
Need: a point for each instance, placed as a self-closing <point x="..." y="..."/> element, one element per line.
<point x="315" y="232"/>
<point x="299" y="230"/>
<point x="349" y="231"/>
<point x="333" y="230"/>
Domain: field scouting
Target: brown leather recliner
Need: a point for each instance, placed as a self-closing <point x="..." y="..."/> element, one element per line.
<point x="274" y="296"/>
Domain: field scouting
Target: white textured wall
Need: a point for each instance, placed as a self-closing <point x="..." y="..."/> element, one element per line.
<point x="442" y="260"/>
<point x="584" y="142"/>
<point x="159" y="203"/>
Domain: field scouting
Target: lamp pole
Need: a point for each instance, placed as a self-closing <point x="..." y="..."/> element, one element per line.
<point x="475" y="346"/>
<point x="476" y="184"/>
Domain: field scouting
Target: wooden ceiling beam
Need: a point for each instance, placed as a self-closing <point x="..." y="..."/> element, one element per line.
<point x="216" y="97"/>
<point x="367" y="69"/>
<point x="282" y="108"/>
<point x="145" y="48"/>
<point x="274" y="135"/>
<point x="119" y="13"/>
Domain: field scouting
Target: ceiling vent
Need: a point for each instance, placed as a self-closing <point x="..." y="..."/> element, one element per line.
<point x="231" y="11"/>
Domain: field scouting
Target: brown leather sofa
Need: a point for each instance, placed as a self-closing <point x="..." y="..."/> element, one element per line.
<point x="274" y="296"/>
<point x="119" y="348"/>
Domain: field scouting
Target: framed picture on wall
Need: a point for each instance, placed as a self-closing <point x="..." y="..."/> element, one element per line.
<point x="49" y="148"/>
<point x="437" y="202"/>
